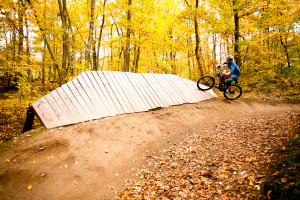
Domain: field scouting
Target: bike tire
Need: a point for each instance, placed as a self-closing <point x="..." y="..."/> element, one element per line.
<point x="205" y="83"/>
<point x="237" y="92"/>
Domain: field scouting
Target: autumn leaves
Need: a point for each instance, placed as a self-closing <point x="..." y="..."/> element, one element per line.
<point x="228" y="161"/>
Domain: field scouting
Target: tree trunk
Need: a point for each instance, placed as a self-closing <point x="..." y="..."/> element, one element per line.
<point x="127" y="49"/>
<point x="71" y="55"/>
<point x="94" y="65"/>
<point x="100" y="35"/>
<point x="89" y="43"/>
<point x="111" y="45"/>
<point x="197" y="42"/>
<point x="236" y="35"/>
<point x="27" y="43"/>
<point x="286" y="51"/>
<point x="43" y="66"/>
<point x="21" y="29"/>
<point x="136" y="59"/>
<point x="65" y="37"/>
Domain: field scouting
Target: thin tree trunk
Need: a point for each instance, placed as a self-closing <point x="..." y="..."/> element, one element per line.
<point x="286" y="51"/>
<point x="111" y="45"/>
<point x="43" y="66"/>
<point x="220" y="49"/>
<point x="100" y="35"/>
<point x="71" y="55"/>
<point x="120" y="56"/>
<point x="89" y="43"/>
<point x="27" y="42"/>
<point x="14" y="41"/>
<point x="236" y="35"/>
<point x="63" y="15"/>
<point x="127" y="49"/>
<point x="137" y="61"/>
<point x="197" y="42"/>
<point x="94" y="65"/>
<point x="21" y="30"/>
<point x="28" y="51"/>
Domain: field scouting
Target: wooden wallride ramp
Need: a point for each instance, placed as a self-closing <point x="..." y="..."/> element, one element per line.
<point x="97" y="94"/>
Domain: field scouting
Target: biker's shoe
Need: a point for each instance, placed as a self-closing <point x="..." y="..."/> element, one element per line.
<point x="217" y="86"/>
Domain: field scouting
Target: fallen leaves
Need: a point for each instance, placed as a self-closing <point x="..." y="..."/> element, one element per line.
<point x="50" y="157"/>
<point x="29" y="187"/>
<point x="225" y="162"/>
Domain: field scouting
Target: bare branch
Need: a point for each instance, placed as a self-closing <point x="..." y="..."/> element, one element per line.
<point x="187" y="3"/>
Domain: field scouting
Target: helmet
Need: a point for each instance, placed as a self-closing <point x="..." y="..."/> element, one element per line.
<point x="230" y="58"/>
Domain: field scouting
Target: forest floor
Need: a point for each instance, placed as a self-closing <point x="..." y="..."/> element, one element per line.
<point x="215" y="149"/>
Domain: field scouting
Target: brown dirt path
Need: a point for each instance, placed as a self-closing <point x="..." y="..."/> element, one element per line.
<point x="93" y="159"/>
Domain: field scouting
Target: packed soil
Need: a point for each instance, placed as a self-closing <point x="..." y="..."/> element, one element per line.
<point x="96" y="160"/>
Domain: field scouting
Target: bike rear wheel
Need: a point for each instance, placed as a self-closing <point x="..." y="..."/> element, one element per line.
<point x="234" y="93"/>
<point x="205" y="83"/>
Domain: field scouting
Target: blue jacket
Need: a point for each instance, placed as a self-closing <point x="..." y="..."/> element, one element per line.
<point x="234" y="69"/>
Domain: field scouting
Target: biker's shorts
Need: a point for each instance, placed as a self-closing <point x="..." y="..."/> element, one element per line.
<point x="233" y="77"/>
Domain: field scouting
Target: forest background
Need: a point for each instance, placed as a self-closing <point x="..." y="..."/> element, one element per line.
<point x="45" y="43"/>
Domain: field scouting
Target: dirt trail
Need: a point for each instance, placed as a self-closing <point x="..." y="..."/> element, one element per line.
<point x="93" y="159"/>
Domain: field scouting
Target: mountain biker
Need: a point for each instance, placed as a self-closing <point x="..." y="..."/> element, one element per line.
<point x="234" y="73"/>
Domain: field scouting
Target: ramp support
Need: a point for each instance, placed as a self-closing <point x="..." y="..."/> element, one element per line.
<point x="29" y="119"/>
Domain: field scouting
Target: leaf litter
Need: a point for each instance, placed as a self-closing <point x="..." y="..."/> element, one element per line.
<point x="229" y="161"/>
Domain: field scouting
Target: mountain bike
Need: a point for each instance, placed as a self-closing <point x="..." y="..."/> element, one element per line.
<point x="207" y="82"/>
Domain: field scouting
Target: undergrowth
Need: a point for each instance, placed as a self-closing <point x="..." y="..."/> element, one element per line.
<point x="14" y="104"/>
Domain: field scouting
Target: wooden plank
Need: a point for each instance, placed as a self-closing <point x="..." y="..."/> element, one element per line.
<point x="46" y="113"/>
<point x="85" y="97"/>
<point x="78" y="95"/>
<point x="132" y="94"/>
<point x="152" y="97"/>
<point x="96" y="99"/>
<point x="177" y="89"/>
<point x="73" y="104"/>
<point x="110" y="107"/>
<point x="176" y="96"/>
<point x="67" y="108"/>
<point x="123" y="88"/>
<point x="200" y="94"/>
<point x="153" y="93"/>
<point x="186" y="90"/>
<point x="104" y="85"/>
<point x="160" y="87"/>
<point x="112" y="101"/>
<point x="140" y="90"/>
<point x="206" y="94"/>
<point x="89" y="98"/>
<point x="163" y="93"/>
<point x="57" y="110"/>
<point x="157" y="90"/>
<point x="162" y="83"/>
<point x="113" y="82"/>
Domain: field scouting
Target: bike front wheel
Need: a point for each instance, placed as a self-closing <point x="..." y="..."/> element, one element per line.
<point x="234" y="93"/>
<point x="205" y="83"/>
